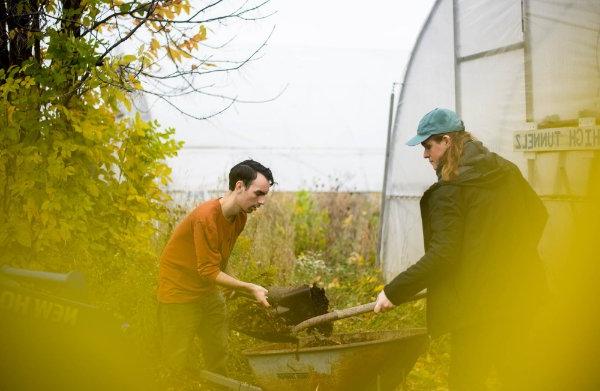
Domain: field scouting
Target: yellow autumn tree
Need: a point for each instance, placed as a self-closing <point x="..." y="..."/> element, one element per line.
<point x="82" y="184"/>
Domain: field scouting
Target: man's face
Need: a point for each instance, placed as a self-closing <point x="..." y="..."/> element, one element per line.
<point x="254" y="196"/>
<point x="434" y="151"/>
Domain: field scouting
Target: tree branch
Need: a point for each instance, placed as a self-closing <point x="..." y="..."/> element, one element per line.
<point x="4" y="54"/>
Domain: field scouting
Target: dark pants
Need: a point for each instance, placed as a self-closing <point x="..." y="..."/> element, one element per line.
<point x="477" y="351"/>
<point x="180" y="323"/>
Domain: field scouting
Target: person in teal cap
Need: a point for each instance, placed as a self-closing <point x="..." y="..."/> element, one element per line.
<point x="482" y="223"/>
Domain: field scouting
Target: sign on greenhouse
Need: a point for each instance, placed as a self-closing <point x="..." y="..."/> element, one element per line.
<point x="557" y="139"/>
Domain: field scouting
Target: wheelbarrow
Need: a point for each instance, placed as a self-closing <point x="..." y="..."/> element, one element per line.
<point x="51" y="338"/>
<point x="358" y="361"/>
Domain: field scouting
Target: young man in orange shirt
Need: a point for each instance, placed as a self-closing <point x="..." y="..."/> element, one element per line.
<point x="192" y="267"/>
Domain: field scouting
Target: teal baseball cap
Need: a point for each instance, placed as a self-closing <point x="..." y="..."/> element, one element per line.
<point x="437" y="121"/>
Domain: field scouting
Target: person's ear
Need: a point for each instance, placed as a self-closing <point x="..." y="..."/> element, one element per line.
<point x="447" y="139"/>
<point x="239" y="185"/>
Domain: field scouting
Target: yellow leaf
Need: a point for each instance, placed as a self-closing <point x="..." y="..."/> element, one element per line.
<point x="168" y="13"/>
<point x="141" y="216"/>
<point x="127" y="59"/>
<point x="88" y="130"/>
<point x="201" y="36"/>
<point x="185" y="54"/>
<point x="173" y="52"/>
<point x="121" y="97"/>
<point x="154" y="44"/>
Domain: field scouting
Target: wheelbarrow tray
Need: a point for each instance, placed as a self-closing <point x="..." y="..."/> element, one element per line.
<point x="359" y="361"/>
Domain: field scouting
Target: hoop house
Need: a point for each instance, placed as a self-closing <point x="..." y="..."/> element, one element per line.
<point x="525" y="78"/>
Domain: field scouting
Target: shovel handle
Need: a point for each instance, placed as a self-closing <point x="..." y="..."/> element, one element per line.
<point x="345" y="313"/>
<point x="334" y="315"/>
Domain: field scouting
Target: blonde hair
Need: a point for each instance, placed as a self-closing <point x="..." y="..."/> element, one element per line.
<point x="449" y="162"/>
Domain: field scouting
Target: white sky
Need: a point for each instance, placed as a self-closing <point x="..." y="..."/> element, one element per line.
<point x="335" y="62"/>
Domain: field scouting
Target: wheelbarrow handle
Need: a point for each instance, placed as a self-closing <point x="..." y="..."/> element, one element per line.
<point x="345" y="313"/>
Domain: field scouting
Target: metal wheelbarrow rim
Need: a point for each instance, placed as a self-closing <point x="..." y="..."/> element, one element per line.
<point x="287" y="348"/>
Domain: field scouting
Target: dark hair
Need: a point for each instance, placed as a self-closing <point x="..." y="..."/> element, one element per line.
<point x="246" y="171"/>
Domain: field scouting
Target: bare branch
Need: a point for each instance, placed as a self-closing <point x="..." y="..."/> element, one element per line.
<point x="238" y="15"/>
<point x="115" y="15"/>
<point x="229" y="69"/>
<point x="192" y="115"/>
<point x="206" y="8"/>
<point x="129" y="34"/>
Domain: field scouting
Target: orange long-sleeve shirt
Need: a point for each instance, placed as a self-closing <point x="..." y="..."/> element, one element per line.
<point x="197" y="250"/>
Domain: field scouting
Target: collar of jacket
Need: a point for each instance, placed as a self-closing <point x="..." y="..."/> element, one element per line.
<point x="477" y="167"/>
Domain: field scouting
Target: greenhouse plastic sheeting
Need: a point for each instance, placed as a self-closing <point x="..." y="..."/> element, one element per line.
<point x="500" y="64"/>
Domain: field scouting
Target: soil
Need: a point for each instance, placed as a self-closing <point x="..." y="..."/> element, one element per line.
<point x="302" y="302"/>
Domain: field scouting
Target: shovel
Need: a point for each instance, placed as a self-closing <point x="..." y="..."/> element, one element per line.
<point x="345" y="313"/>
<point x="299" y="299"/>
<point x="289" y="306"/>
<point x="296" y="318"/>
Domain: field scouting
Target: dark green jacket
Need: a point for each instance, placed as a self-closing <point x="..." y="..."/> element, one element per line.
<point x="481" y="232"/>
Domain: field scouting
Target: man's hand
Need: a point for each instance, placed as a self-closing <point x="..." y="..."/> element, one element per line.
<point x="383" y="303"/>
<point x="259" y="293"/>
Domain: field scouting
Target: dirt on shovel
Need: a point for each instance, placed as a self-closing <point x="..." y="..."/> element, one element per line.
<point x="289" y="307"/>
